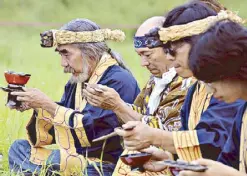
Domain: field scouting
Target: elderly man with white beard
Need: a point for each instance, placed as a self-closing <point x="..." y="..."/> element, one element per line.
<point x="72" y="123"/>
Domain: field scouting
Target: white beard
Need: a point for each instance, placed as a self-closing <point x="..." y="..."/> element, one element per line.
<point x="82" y="77"/>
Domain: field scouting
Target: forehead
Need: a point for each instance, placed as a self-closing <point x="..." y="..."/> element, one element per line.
<point x="143" y="50"/>
<point x="67" y="47"/>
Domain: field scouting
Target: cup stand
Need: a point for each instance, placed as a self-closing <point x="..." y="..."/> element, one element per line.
<point x="12" y="101"/>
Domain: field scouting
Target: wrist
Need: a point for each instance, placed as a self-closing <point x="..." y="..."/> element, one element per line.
<point x="119" y="106"/>
<point x="50" y="107"/>
<point x="46" y="104"/>
<point x="164" y="140"/>
<point x="155" y="138"/>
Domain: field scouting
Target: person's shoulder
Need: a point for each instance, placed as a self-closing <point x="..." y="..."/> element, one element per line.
<point x="238" y="106"/>
<point x="117" y="73"/>
<point x="239" y="102"/>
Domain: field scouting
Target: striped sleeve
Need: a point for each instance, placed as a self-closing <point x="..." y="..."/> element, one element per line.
<point x="187" y="145"/>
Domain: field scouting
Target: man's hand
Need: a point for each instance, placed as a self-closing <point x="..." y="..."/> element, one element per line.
<point x="156" y="163"/>
<point x="107" y="99"/>
<point x="23" y="107"/>
<point x="137" y="139"/>
<point x="214" y="168"/>
<point x="34" y="98"/>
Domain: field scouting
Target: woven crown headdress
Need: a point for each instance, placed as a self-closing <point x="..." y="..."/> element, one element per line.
<point x="53" y="37"/>
<point x="160" y="36"/>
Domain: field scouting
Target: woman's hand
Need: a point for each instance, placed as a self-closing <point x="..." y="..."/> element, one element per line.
<point x="214" y="168"/>
<point x="156" y="163"/>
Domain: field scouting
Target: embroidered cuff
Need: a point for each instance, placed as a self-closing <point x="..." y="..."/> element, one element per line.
<point x="187" y="145"/>
<point x="62" y="116"/>
<point x="80" y="130"/>
<point x="68" y="118"/>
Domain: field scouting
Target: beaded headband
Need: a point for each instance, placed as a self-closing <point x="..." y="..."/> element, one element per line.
<point x="177" y="32"/>
<point x="56" y="37"/>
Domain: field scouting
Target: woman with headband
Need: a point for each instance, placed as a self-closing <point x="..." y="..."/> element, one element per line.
<point x="220" y="60"/>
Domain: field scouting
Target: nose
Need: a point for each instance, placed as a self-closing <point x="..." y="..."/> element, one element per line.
<point x="170" y="57"/>
<point x="64" y="63"/>
<point x="144" y="61"/>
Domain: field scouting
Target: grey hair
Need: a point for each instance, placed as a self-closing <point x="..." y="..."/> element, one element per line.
<point x="93" y="49"/>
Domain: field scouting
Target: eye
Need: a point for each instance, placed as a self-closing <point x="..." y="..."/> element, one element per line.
<point x="170" y="51"/>
<point x="148" y="55"/>
<point x="66" y="54"/>
<point x="166" y="50"/>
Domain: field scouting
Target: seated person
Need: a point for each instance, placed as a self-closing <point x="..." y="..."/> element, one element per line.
<point x="159" y="102"/>
<point x="206" y="121"/>
<point x="73" y="123"/>
<point x="223" y="51"/>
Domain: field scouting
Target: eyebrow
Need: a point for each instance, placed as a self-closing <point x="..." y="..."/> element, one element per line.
<point x="63" y="51"/>
<point x="146" y="52"/>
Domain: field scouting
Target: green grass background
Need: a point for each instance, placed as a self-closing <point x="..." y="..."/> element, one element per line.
<point x="20" y="47"/>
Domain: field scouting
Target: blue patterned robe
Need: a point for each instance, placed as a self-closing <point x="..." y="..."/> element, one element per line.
<point x="205" y="131"/>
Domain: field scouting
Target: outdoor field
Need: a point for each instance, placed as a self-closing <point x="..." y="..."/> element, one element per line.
<point x="21" y="22"/>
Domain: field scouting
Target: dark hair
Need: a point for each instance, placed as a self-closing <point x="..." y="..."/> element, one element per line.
<point x="213" y="4"/>
<point x="220" y="53"/>
<point x="187" y="13"/>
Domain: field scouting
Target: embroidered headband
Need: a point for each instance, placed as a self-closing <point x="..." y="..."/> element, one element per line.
<point x="143" y="41"/>
<point x="54" y="37"/>
<point x="140" y="42"/>
<point x="177" y="32"/>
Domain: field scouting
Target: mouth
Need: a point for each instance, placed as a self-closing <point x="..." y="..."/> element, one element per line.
<point x="75" y="74"/>
<point x="177" y="66"/>
<point x="151" y="69"/>
<point x="154" y="71"/>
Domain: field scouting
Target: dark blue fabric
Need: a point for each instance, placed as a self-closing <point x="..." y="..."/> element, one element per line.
<point x="230" y="154"/>
<point x="185" y="111"/>
<point x="107" y="170"/>
<point x="215" y="124"/>
<point x="19" y="155"/>
<point x="98" y="122"/>
<point x="20" y="152"/>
